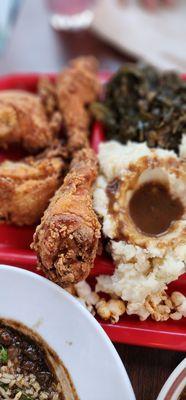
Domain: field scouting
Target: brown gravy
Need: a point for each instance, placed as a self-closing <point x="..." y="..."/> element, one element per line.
<point x="111" y="190"/>
<point x="153" y="209"/>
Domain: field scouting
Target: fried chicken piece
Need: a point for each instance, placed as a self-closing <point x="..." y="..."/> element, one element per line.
<point x="26" y="186"/>
<point x="77" y="87"/>
<point x="66" y="241"/>
<point x="23" y="120"/>
<point x="48" y="95"/>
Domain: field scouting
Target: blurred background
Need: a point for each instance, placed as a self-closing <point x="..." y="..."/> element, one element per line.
<point x="42" y="35"/>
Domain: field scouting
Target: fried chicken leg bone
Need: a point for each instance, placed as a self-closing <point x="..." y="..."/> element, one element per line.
<point x="23" y="120"/>
<point x="77" y="87"/>
<point x="66" y="241"/>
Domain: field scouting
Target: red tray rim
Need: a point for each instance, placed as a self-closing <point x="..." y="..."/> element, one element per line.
<point x="124" y="331"/>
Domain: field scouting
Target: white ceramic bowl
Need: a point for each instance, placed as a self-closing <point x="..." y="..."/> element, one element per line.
<point x="94" y="365"/>
<point x="175" y="383"/>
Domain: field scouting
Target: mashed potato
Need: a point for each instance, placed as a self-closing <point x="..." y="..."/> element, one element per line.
<point x="145" y="264"/>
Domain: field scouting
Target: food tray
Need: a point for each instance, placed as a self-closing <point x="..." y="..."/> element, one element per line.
<point x="15" y="250"/>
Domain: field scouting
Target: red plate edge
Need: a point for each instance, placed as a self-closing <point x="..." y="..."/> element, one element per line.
<point x="145" y="337"/>
<point x="165" y="335"/>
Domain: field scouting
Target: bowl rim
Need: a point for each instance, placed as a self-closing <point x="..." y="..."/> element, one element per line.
<point x="85" y="314"/>
<point x="174" y="380"/>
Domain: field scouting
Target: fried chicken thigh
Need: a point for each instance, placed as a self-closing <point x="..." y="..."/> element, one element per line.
<point x="66" y="241"/>
<point x="26" y="186"/>
<point x="78" y="86"/>
<point x="23" y="120"/>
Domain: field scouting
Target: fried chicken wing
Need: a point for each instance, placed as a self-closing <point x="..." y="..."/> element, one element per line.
<point x="66" y="241"/>
<point x="23" y="120"/>
<point x="78" y="86"/>
<point x="26" y="186"/>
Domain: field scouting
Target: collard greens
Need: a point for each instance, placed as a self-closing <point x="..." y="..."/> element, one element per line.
<point x="143" y="104"/>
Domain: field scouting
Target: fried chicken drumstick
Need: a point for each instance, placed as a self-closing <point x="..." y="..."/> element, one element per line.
<point x="78" y="86"/>
<point x="26" y="186"/>
<point x="23" y="120"/>
<point x="66" y="241"/>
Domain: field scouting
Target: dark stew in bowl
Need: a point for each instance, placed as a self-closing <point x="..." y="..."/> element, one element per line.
<point x="25" y="370"/>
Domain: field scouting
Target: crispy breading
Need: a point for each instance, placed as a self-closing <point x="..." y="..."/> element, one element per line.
<point x="23" y="121"/>
<point x="78" y="86"/>
<point x="48" y="95"/>
<point x="66" y="241"/>
<point x="26" y="186"/>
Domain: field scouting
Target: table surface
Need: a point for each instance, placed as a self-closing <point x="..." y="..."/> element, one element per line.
<point x="34" y="46"/>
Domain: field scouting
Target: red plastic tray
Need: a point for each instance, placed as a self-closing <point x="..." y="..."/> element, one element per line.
<point x="15" y="250"/>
